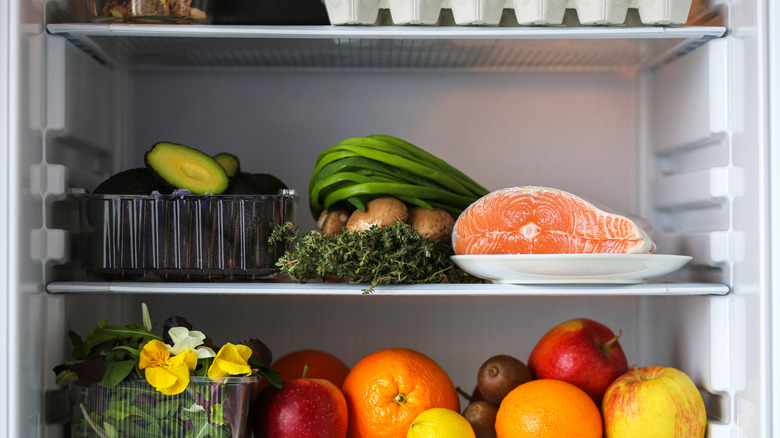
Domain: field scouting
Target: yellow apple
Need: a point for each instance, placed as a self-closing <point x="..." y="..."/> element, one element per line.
<point x="652" y="402"/>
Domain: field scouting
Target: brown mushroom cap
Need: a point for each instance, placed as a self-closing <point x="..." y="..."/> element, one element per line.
<point x="333" y="222"/>
<point x="433" y="224"/>
<point x="380" y="212"/>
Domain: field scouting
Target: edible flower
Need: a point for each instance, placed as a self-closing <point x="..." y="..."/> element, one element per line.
<point x="232" y="360"/>
<point x="169" y="375"/>
<point x="184" y="339"/>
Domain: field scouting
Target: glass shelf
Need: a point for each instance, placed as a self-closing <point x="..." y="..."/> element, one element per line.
<point x="330" y="289"/>
<point x="144" y="47"/>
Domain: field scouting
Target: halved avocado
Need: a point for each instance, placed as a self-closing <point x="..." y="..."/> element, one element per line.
<point x="186" y="168"/>
<point x="137" y="181"/>
<point x="255" y="183"/>
<point x="229" y="162"/>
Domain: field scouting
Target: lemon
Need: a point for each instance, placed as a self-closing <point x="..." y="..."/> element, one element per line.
<point x="440" y="423"/>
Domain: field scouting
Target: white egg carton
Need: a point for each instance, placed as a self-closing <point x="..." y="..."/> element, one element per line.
<point x="498" y="12"/>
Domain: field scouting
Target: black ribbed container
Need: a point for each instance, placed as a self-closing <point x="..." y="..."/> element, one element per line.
<point x="182" y="237"/>
<point x="270" y="12"/>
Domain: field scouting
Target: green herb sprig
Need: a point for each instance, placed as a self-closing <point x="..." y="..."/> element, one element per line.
<point x="391" y="254"/>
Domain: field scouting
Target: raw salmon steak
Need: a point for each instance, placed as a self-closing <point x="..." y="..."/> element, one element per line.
<point x="541" y="220"/>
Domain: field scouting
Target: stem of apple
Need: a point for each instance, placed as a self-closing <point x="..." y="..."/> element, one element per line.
<point x="305" y="370"/>
<point x="636" y="370"/>
<point x="614" y="339"/>
<point x="605" y="347"/>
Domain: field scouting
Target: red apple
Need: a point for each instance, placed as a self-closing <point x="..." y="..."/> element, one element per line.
<point x="582" y="352"/>
<point x="304" y="408"/>
<point x="654" y="401"/>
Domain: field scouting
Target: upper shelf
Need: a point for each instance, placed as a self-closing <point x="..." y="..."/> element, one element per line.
<point x="144" y="47"/>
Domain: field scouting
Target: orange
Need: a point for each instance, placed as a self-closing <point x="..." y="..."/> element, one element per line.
<point x="548" y="408"/>
<point x="322" y="365"/>
<point x="387" y="389"/>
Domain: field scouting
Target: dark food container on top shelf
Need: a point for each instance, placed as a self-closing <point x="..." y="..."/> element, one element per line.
<point x="270" y="12"/>
<point x="150" y="11"/>
<point x="182" y="237"/>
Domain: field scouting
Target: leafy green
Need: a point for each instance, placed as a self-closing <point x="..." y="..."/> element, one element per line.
<point x="205" y="409"/>
<point x="381" y="255"/>
<point x="108" y="354"/>
<point x="116" y="372"/>
<point x="113" y="400"/>
<point x="360" y="169"/>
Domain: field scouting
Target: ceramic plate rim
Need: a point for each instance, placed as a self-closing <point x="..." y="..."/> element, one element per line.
<point x="518" y="268"/>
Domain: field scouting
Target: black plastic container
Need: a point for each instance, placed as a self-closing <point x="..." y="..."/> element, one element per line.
<point x="182" y="237"/>
<point x="270" y="12"/>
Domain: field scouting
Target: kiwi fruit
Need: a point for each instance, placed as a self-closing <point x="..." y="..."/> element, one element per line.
<point x="501" y="374"/>
<point x="481" y="414"/>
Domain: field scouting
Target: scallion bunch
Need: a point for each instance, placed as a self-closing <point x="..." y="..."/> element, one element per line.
<point x="359" y="169"/>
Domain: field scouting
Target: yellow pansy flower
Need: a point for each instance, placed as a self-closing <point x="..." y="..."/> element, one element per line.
<point x="169" y="375"/>
<point x="231" y="361"/>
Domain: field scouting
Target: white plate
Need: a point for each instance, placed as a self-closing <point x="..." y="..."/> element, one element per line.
<point x="570" y="268"/>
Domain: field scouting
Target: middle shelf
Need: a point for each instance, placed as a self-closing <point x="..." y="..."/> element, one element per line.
<point x="330" y="289"/>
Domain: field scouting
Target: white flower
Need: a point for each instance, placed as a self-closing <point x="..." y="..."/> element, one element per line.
<point x="184" y="339"/>
<point x="194" y="408"/>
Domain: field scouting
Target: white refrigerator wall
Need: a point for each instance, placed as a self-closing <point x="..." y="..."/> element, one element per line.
<point x="72" y="121"/>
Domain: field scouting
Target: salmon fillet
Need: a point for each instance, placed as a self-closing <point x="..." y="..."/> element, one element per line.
<point x="541" y="220"/>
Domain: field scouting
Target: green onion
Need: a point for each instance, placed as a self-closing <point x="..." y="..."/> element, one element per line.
<point x="359" y="169"/>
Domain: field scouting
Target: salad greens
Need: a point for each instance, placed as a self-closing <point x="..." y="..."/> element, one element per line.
<point x="128" y="381"/>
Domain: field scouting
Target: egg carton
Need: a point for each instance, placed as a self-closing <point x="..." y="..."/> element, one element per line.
<point x="498" y="12"/>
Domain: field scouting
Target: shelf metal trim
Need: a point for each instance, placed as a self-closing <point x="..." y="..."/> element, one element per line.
<point x="333" y="289"/>
<point x="386" y="32"/>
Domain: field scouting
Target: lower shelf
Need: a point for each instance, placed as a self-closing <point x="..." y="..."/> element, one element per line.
<point x="359" y="289"/>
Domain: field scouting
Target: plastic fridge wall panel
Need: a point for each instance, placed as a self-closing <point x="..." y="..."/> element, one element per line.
<point x="54" y="146"/>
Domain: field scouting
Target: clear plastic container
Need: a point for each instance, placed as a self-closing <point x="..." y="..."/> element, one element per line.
<point x="135" y="409"/>
<point x="182" y="237"/>
<point x="149" y="11"/>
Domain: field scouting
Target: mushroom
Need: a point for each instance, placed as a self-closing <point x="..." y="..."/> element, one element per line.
<point x="331" y="223"/>
<point x="433" y="224"/>
<point x="379" y="212"/>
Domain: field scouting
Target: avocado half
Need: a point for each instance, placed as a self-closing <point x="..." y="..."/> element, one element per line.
<point x="245" y="183"/>
<point x="183" y="167"/>
<point x="137" y="181"/>
<point x="229" y="162"/>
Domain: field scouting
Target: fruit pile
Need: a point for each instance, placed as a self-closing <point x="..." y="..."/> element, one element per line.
<point x="577" y="384"/>
<point x="171" y="167"/>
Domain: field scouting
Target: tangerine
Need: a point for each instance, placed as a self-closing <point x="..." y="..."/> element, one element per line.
<point x="548" y="408"/>
<point x="322" y="365"/>
<point x="387" y="389"/>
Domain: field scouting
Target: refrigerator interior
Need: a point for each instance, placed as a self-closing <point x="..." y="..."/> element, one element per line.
<point x="676" y="135"/>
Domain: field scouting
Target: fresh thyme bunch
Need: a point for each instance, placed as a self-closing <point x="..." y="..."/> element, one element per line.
<point x="381" y="255"/>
